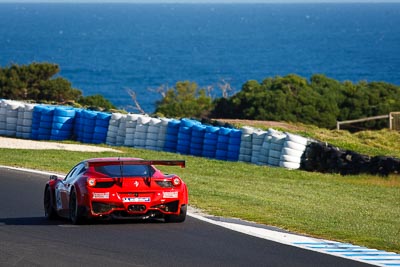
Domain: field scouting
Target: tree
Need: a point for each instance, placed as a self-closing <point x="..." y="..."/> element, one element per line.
<point x="96" y="102"/>
<point x="185" y="100"/>
<point x="321" y="101"/>
<point x="35" y="82"/>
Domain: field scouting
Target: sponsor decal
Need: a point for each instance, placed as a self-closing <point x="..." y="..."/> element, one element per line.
<point x="170" y="194"/>
<point x="136" y="199"/>
<point x="105" y="195"/>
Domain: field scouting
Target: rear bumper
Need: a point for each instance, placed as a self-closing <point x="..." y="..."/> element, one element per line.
<point x="133" y="210"/>
<point x="102" y="202"/>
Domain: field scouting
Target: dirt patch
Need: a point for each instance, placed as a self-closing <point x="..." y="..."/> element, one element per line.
<point x="264" y="124"/>
<point x="6" y="142"/>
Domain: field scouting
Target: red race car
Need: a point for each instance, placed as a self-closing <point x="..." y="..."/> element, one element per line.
<point x="120" y="188"/>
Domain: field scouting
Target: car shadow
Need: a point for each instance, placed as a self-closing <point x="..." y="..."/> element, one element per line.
<point x="40" y="221"/>
<point x="31" y="221"/>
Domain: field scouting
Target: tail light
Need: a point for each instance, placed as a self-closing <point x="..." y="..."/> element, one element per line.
<point x="176" y="181"/>
<point x="91" y="182"/>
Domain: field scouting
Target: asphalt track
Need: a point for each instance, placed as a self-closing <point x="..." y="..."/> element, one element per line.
<point x="28" y="239"/>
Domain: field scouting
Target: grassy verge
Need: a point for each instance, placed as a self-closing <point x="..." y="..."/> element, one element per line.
<point x="363" y="210"/>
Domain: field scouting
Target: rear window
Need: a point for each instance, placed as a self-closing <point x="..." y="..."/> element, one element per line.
<point x="119" y="171"/>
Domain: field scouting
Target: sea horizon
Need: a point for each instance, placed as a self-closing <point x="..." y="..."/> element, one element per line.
<point x="107" y="48"/>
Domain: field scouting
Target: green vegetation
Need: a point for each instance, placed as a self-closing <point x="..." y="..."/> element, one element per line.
<point x="321" y="101"/>
<point x="362" y="209"/>
<point x="34" y="82"/>
<point x="185" y="100"/>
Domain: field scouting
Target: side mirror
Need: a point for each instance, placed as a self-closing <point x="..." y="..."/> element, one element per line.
<point x="53" y="177"/>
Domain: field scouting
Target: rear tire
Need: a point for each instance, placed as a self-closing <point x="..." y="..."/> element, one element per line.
<point x="74" y="212"/>
<point x="177" y="218"/>
<point x="49" y="211"/>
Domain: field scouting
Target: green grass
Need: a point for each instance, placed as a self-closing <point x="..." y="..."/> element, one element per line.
<point x="362" y="210"/>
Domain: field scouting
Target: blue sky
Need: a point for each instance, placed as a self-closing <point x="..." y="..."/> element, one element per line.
<point x="201" y="1"/>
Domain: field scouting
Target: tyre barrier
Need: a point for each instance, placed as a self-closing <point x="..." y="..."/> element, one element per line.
<point x="63" y="123"/>
<point x="87" y="127"/>
<point x="12" y="118"/>
<point x="197" y="140"/>
<point x="234" y="143"/>
<point x="325" y="158"/>
<point x="186" y="136"/>
<point x="277" y="141"/>
<point x="113" y="126"/>
<point x="101" y="127"/>
<point x="162" y="134"/>
<point x="246" y="145"/>
<point x="264" y="152"/>
<point x="15" y="119"/>
<point x="152" y="134"/>
<point x="42" y="121"/>
<point x="24" y="122"/>
<point x="171" y="137"/>
<point x="210" y="142"/>
<point x="258" y="138"/>
<point x="121" y="134"/>
<point x="3" y="116"/>
<point x="222" y="147"/>
<point x="128" y="129"/>
<point x="141" y="130"/>
<point x="293" y="150"/>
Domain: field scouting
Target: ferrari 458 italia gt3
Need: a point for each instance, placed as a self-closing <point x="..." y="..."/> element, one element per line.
<point x="117" y="188"/>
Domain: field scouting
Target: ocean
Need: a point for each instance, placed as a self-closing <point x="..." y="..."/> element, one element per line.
<point x="109" y="48"/>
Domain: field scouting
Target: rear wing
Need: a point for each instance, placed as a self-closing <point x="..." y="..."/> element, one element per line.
<point x="180" y="163"/>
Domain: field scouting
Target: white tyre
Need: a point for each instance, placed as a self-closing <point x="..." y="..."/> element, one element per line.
<point x="246" y="151"/>
<point x="290" y="158"/>
<point x="152" y="136"/>
<point x="153" y="129"/>
<point x="277" y="147"/>
<point x="144" y="120"/>
<point x="289" y="165"/>
<point x="273" y="161"/>
<point x="142" y="128"/>
<point x="275" y="154"/>
<point x="129" y="136"/>
<point x="247" y="130"/>
<point x="296" y="138"/>
<point x="140" y="136"/>
<point x="131" y="124"/>
<point x="11" y="120"/>
<point x="26" y="122"/>
<point x="112" y="128"/>
<point x="116" y="116"/>
<point x="132" y="117"/>
<point x="246" y="138"/>
<point x="295" y="146"/>
<point x="292" y="152"/>
<point x="155" y="122"/>
<point x="256" y="147"/>
<point x="130" y="130"/>
<point x="129" y="143"/>
<point x="164" y="121"/>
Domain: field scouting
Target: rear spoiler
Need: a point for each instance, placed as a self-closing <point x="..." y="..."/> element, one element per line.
<point x="180" y="163"/>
